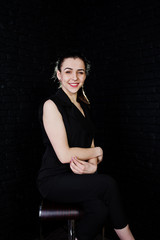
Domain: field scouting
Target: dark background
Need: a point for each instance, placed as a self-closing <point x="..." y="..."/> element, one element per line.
<point x="121" y="38"/>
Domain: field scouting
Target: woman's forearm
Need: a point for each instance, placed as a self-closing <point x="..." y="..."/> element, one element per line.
<point x="81" y="153"/>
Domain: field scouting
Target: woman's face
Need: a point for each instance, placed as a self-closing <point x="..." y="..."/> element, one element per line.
<point x="72" y="75"/>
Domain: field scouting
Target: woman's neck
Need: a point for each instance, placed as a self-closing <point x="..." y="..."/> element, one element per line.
<point x="72" y="96"/>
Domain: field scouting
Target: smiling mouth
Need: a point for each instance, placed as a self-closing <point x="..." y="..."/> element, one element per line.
<point x="74" y="84"/>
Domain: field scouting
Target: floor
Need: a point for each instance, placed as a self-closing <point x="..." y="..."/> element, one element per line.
<point x="61" y="234"/>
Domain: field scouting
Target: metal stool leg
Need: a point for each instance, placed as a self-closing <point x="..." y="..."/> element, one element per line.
<point x="71" y="229"/>
<point x="40" y="232"/>
<point x="103" y="232"/>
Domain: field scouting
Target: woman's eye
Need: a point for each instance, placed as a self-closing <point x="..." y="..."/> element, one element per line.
<point x="68" y="71"/>
<point x="81" y="73"/>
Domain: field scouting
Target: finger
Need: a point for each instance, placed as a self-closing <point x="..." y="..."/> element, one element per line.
<point x="75" y="170"/>
<point x="76" y="167"/>
<point x="75" y="159"/>
<point x="79" y="164"/>
<point x="80" y="161"/>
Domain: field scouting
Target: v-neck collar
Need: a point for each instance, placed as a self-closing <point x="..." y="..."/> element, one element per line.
<point x="65" y="100"/>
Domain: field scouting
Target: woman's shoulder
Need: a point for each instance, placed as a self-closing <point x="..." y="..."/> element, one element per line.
<point x="51" y="111"/>
<point x="47" y="104"/>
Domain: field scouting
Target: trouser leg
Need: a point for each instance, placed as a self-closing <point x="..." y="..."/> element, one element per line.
<point x="95" y="214"/>
<point x="96" y="192"/>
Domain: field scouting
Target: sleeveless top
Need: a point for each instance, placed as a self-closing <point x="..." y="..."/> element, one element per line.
<point x="79" y="129"/>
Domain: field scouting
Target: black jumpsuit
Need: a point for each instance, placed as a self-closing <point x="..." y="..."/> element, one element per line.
<point x="97" y="193"/>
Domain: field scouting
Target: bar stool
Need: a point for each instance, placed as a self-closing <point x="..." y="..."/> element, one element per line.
<point x="49" y="210"/>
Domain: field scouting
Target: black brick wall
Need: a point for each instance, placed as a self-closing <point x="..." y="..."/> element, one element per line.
<point x="21" y="83"/>
<point x="121" y="38"/>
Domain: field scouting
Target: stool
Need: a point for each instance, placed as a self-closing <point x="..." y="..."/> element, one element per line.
<point x="49" y="210"/>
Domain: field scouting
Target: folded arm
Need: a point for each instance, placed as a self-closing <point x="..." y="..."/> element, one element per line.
<point x="85" y="167"/>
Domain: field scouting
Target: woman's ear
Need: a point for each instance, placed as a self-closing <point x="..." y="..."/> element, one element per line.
<point x="59" y="75"/>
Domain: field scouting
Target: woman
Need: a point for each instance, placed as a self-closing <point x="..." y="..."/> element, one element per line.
<point x="69" y="166"/>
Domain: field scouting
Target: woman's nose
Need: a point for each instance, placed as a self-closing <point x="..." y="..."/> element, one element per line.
<point x="74" y="76"/>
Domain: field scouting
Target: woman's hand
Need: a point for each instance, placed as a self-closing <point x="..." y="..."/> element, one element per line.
<point x="100" y="155"/>
<point x="81" y="167"/>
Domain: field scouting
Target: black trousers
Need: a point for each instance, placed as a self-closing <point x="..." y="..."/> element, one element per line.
<point x="98" y="194"/>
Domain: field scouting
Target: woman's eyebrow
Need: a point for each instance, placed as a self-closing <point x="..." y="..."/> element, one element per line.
<point x="80" y="69"/>
<point x="68" y="68"/>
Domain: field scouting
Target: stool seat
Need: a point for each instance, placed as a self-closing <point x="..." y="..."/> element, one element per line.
<point x="50" y="210"/>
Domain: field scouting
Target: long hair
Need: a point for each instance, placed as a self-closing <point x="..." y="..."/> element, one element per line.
<point x="81" y="96"/>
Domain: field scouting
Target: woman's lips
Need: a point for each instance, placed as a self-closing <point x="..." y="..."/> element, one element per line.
<point x="74" y="84"/>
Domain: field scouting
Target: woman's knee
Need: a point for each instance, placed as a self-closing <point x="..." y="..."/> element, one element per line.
<point x="99" y="210"/>
<point x="111" y="188"/>
<point x="109" y="181"/>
